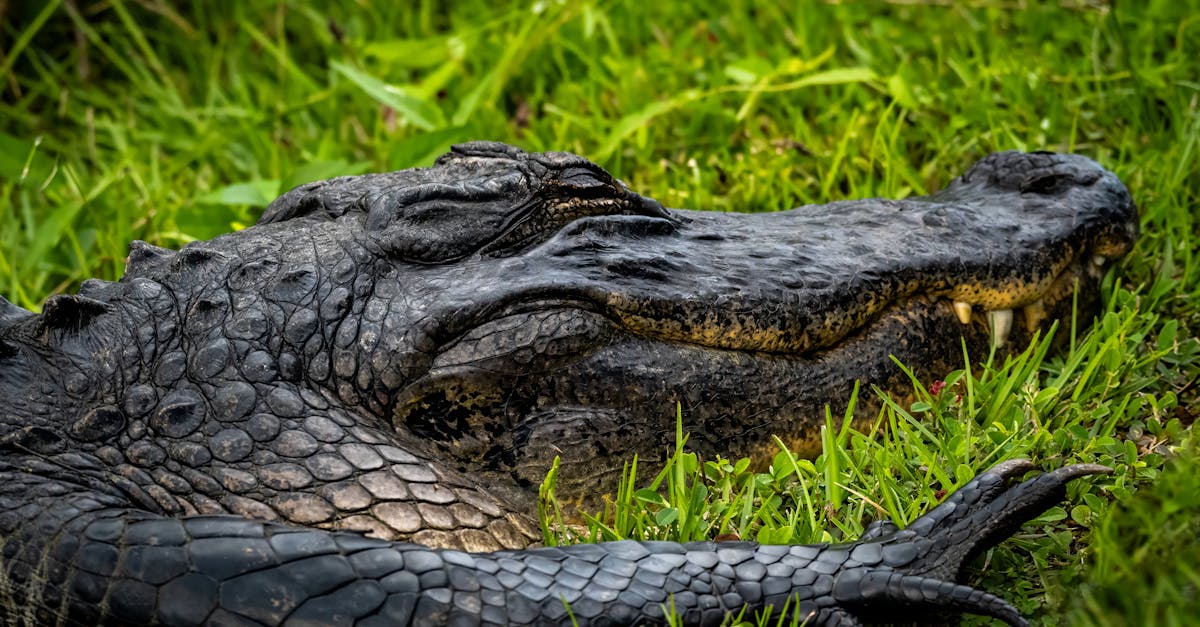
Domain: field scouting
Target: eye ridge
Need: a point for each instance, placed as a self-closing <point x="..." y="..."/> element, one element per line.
<point x="593" y="192"/>
<point x="585" y="177"/>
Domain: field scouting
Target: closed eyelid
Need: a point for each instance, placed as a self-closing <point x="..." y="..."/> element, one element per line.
<point x="583" y="177"/>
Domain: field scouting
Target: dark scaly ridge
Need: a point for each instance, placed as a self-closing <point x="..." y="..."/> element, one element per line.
<point x="67" y="311"/>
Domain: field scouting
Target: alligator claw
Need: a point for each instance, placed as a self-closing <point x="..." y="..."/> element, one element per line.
<point x="993" y="510"/>
<point x="925" y="559"/>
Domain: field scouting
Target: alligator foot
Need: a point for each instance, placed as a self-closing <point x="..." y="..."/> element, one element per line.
<point x="912" y="571"/>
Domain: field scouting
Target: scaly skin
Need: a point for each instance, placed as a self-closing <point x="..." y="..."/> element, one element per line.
<point x="404" y="354"/>
<point x="134" y="567"/>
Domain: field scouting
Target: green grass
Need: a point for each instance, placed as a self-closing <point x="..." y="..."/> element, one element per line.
<point x="133" y="119"/>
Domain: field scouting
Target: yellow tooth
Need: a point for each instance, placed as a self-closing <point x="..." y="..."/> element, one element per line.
<point x="1035" y="313"/>
<point x="1000" y="320"/>
<point x="963" y="311"/>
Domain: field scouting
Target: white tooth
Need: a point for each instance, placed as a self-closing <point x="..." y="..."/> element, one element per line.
<point x="963" y="310"/>
<point x="1000" y="320"/>
<point x="1035" y="313"/>
<point x="1098" y="260"/>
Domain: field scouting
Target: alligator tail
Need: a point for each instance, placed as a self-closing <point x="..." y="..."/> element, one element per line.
<point x="79" y="558"/>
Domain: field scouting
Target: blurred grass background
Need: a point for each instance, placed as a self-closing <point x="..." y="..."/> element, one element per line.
<point x="170" y="122"/>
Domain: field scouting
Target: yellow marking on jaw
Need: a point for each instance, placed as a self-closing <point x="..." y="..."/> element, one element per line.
<point x="1011" y="295"/>
<point x="709" y="330"/>
<point x="1017" y="292"/>
<point x="715" y="327"/>
<point x="1064" y="286"/>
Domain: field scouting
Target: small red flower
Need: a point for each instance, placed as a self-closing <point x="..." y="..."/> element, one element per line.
<point x="937" y="387"/>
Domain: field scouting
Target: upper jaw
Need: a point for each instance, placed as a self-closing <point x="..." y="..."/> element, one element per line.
<point x="799" y="281"/>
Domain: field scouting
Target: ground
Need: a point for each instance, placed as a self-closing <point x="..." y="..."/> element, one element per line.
<point x="143" y="119"/>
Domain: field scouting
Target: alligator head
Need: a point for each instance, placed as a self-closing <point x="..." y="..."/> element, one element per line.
<point x="406" y="353"/>
<point x="531" y="306"/>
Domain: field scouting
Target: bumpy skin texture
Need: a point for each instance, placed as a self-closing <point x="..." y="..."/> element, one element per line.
<point x="404" y="354"/>
<point x="108" y="562"/>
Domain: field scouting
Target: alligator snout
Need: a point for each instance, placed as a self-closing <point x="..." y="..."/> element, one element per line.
<point x="1018" y="231"/>
<point x="1067" y="184"/>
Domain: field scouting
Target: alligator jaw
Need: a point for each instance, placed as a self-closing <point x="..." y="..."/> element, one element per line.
<point x="583" y="346"/>
<point x="818" y="314"/>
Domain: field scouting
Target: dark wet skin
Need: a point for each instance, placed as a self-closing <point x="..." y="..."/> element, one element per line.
<point x="404" y="355"/>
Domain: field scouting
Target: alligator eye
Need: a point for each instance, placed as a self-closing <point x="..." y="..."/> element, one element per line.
<point x="1048" y="183"/>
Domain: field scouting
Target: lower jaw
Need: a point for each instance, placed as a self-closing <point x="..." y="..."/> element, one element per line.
<point x="596" y="412"/>
<point x="732" y="402"/>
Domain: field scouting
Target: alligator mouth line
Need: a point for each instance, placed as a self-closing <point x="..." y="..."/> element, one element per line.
<point x="998" y="305"/>
<point x="1002" y="307"/>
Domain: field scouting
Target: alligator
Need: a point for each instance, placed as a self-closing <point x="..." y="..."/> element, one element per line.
<point x="342" y="413"/>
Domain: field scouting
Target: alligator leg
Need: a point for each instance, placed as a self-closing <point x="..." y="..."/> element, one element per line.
<point x="74" y="554"/>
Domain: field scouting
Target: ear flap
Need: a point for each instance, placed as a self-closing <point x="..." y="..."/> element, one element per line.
<point x="333" y="198"/>
<point x="438" y="223"/>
